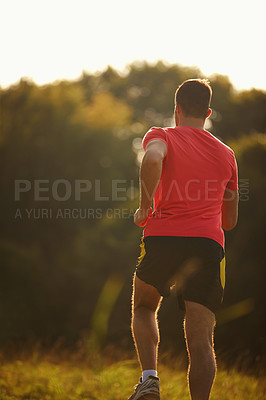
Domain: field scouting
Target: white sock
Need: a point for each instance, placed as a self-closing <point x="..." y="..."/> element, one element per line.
<point x="148" y="372"/>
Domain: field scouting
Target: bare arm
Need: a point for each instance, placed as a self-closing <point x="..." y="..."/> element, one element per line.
<point x="150" y="174"/>
<point x="230" y="209"/>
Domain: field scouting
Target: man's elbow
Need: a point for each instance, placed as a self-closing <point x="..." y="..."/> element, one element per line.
<point x="229" y="224"/>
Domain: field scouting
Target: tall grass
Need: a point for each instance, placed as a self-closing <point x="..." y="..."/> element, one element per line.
<point x="45" y="379"/>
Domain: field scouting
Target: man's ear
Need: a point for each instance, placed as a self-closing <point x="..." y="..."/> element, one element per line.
<point x="176" y="117"/>
<point x="209" y="113"/>
<point x="178" y="108"/>
<point x="177" y="114"/>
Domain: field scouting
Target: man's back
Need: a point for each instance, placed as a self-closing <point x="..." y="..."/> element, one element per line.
<point x="196" y="170"/>
<point x="190" y="177"/>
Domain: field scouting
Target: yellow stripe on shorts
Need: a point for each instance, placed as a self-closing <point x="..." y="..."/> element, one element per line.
<point x="142" y="251"/>
<point x="222" y="275"/>
<point x="222" y="272"/>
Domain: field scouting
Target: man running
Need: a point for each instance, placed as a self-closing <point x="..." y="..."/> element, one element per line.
<point x="191" y="178"/>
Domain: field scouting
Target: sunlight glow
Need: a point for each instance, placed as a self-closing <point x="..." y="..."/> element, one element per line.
<point x="59" y="39"/>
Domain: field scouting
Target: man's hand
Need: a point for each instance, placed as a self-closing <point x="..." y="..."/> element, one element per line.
<point x="141" y="216"/>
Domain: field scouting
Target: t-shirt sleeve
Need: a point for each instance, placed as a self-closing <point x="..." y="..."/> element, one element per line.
<point x="232" y="184"/>
<point x="154" y="134"/>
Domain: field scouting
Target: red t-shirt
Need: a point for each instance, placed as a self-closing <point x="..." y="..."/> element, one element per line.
<point x="196" y="170"/>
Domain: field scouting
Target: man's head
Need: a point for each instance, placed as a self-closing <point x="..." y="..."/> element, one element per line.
<point x="193" y="98"/>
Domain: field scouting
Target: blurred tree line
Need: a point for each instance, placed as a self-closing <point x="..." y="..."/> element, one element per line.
<point x="69" y="156"/>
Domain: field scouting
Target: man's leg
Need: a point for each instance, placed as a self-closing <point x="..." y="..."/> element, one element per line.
<point x="145" y="304"/>
<point x="199" y="325"/>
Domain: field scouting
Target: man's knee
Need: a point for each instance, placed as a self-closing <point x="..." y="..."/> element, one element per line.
<point x="141" y="303"/>
<point x="199" y="325"/>
<point x="201" y="346"/>
<point x="144" y="296"/>
<point x="197" y="335"/>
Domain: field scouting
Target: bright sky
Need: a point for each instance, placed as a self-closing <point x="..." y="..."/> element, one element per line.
<point x="58" y="39"/>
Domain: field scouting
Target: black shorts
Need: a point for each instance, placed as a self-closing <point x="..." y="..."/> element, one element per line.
<point x="195" y="266"/>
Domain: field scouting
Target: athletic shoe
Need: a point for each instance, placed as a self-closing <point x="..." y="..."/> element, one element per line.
<point x="147" y="390"/>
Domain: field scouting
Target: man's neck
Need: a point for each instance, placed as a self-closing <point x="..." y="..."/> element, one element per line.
<point x="192" y="122"/>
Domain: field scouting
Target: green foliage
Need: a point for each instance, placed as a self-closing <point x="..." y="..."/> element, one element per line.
<point x="57" y="254"/>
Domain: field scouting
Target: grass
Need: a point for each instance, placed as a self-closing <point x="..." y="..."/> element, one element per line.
<point x="41" y="379"/>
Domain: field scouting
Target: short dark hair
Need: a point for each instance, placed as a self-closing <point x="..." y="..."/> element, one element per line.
<point x="194" y="97"/>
